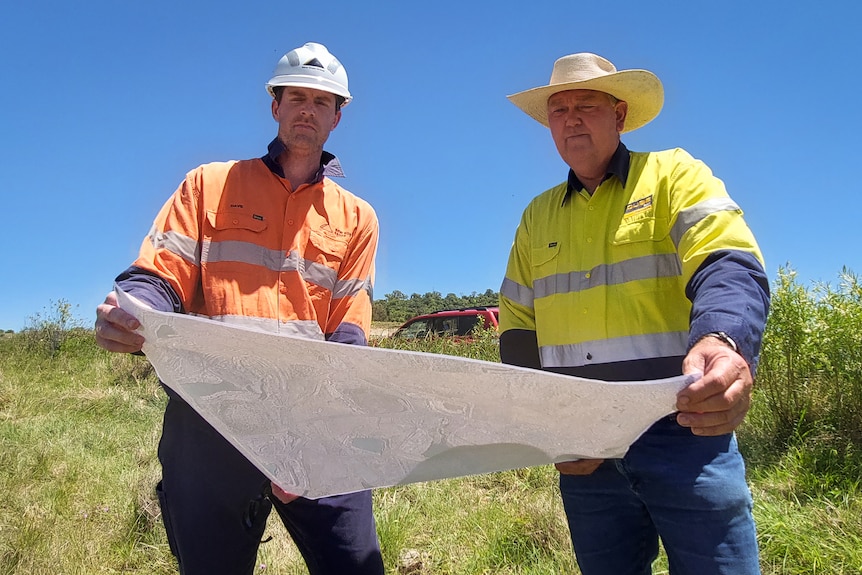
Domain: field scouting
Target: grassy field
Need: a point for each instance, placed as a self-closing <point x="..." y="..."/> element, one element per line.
<point x="79" y="428"/>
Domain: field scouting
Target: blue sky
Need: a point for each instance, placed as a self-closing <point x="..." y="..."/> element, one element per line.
<point x="105" y="105"/>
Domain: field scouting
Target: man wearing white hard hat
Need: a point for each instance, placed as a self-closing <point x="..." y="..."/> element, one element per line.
<point x="273" y="244"/>
<point x="640" y="266"/>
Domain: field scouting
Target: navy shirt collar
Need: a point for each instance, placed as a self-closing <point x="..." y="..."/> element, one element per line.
<point x="329" y="164"/>
<point x="618" y="166"/>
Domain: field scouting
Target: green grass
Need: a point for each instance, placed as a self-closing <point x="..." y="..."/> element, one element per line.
<point x="78" y="432"/>
<point x="79" y="429"/>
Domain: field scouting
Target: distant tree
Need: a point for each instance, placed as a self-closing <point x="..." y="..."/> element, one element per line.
<point x="433" y="300"/>
<point x="397" y="307"/>
<point x="452" y="301"/>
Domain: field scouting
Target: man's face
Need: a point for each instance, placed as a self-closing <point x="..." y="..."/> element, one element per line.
<point x="305" y="117"/>
<point x="585" y="126"/>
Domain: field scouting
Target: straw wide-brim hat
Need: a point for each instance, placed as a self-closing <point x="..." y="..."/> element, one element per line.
<point x="640" y="88"/>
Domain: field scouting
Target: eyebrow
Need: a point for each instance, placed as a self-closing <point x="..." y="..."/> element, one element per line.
<point x="301" y="92"/>
<point x="588" y="99"/>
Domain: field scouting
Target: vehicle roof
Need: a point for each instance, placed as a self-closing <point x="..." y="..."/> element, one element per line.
<point x="461" y="311"/>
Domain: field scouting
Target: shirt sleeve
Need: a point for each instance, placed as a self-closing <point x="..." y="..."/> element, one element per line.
<point x="730" y="293"/>
<point x="171" y="250"/>
<point x="349" y="319"/>
<point x="721" y="261"/>
<point x="150" y="289"/>
<point x="518" y="338"/>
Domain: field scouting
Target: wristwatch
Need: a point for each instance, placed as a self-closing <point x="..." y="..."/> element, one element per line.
<point x="724" y="338"/>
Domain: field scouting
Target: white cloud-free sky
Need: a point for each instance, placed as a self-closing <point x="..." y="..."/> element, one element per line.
<point x="105" y="105"/>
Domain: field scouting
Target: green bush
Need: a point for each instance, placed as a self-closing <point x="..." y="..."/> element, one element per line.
<point x="45" y="333"/>
<point x="809" y="383"/>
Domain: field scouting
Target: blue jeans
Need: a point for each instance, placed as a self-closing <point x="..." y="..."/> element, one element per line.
<point x="689" y="491"/>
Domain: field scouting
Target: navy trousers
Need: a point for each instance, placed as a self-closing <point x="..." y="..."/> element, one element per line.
<point x="214" y="508"/>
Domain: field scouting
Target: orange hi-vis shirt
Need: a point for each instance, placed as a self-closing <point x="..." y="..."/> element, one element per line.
<point x="238" y="245"/>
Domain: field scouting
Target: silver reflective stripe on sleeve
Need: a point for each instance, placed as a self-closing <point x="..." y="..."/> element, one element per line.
<point x="349" y="288"/>
<point x="612" y="350"/>
<point x="318" y="274"/>
<point x="176" y="243"/>
<point x="691" y="216"/>
<point x="520" y="294"/>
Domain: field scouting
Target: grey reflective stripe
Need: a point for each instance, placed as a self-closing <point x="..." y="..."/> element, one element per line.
<point x="691" y="216"/>
<point x="612" y="350"/>
<point x="176" y="243"/>
<point x="319" y="274"/>
<point x="275" y="260"/>
<point x="349" y="288"/>
<point x="645" y="267"/>
<point x="521" y="295"/>
<point x="233" y="251"/>
<point x="291" y="263"/>
<point x="308" y="329"/>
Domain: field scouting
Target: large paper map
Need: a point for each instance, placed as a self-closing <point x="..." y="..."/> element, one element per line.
<point x="321" y="418"/>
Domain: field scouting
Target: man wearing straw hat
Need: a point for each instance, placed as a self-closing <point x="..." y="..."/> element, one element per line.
<point x="640" y="266"/>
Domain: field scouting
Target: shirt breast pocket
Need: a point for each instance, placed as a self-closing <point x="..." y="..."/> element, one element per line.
<point x="646" y="261"/>
<point x="323" y="256"/>
<point x="544" y="259"/>
<point x="236" y="263"/>
<point x="235" y="236"/>
<point x="643" y="230"/>
<point x="325" y="250"/>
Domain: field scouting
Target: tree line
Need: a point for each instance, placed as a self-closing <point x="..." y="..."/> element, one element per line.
<point x="397" y="307"/>
<point x="58" y="320"/>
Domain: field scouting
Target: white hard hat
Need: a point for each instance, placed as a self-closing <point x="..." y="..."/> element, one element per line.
<point x="311" y="66"/>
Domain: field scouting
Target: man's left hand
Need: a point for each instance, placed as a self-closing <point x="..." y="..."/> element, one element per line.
<point x="717" y="403"/>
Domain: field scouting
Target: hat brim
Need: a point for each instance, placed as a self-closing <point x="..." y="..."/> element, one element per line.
<point x="314" y="82"/>
<point x="641" y="89"/>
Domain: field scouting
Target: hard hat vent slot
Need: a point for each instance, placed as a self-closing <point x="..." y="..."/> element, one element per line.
<point x="333" y="66"/>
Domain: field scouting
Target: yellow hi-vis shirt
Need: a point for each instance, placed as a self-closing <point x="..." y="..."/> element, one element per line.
<point x="601" y="278"/>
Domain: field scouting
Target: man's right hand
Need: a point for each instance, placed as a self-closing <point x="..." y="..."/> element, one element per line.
<point x="115" y="327"/>
<point x="578" y="466"/>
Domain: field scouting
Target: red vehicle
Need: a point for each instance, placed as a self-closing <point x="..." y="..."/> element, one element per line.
<point x="450" y="322"/>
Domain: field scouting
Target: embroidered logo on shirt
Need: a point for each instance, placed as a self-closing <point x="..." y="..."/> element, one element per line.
<point x="334" y="233"/>
<point x="257" y="217"/>
<point x="638" y="210"/>
<point x="639" y="205"/>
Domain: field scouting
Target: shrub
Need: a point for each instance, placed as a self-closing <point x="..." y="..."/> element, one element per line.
<point x="809" y="384"/>
<point x="46" y="333"/>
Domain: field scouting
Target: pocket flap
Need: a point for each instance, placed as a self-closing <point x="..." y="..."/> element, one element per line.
<point x="543" y="254"/>
<point x="647" y="229"/>
<point x="235" y="221"/>
<point x="328" y="245"/>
